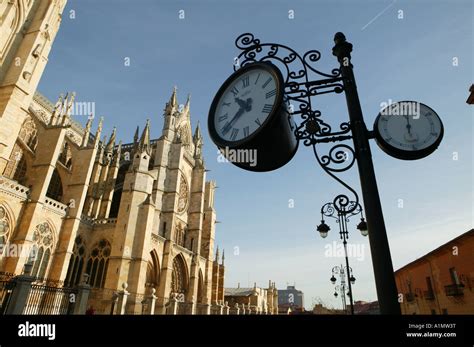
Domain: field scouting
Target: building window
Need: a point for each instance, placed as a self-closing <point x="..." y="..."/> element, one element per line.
<point x="76" y="263"/>
<point x="55" y="188"/>
<point x="4" y="228"/>
<point x="98" y="263"/>
<point x="40" y="254"/>
<point x="445" y="311"/>
<point x="454" y="276"/>
<point x="28" y="133"/>
<point x="16" y="168"/>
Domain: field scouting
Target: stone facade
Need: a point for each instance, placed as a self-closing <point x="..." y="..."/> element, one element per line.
<point x="137" y="216"/>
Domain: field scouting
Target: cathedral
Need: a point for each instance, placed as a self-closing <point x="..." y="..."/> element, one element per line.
<point x="80" y="207"/>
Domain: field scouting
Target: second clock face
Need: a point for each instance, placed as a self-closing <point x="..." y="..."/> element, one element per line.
<point x="245" y="104"/>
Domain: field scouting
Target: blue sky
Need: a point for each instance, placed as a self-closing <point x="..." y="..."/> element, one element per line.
<point x="394" y="59"/>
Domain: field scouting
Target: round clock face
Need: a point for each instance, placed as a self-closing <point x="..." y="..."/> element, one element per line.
<point x="408" y="130"/>
<point x="245" y="102"/>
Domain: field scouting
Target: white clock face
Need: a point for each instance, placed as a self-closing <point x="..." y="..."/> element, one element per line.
<point x="409" y="126"/>
<point x="245" y="105"/>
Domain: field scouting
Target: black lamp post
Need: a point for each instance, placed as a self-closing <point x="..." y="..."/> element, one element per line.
<point x="343" y="286"/>
<point x="342" y="213"/>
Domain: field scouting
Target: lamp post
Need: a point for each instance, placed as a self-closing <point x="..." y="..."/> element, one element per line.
<point x="342" y="213"/>
<point x="341" y="271"/>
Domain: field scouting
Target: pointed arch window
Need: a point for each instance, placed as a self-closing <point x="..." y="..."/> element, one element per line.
<point x="16" y="168"/>
<point x="28" y="133"/>
<point x="55" y="188"/>
<point x="98" y="263"/>
<point x="76" y="263"/>
<point x="65" y="157"/>
<point x="4" y="228"/>
<point x="40" y="254"/>
<point x="179" y="279"/>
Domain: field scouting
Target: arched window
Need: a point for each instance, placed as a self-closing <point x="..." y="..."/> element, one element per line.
<point x="179" y="277"/>
<point x="55" y="188"/>
<point x="76" y="263"/>
<point x="4" y="228"/>
<point x="153" y="271"/>
<point x="98" y="263"/>
<point x="40" y="254"/>
<point x="28" y="133"/>
<point x="16" y="168"/>
<point x="115" y="205"/>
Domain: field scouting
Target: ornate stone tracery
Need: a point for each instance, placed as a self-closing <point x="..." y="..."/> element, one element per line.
<point x="183" y="193"/>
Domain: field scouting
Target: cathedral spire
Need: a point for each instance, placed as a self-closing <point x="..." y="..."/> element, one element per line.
<point x="223" y="257"/>
<point x="111" y="144"/>
<point x="187" y="106"/>
<point x="99" y="130"/>
<point x="118" y="154"/>
<point x="144" y="144"/>
<point x="87" y="132"/>
<point x="197" y="137"/>
<point x="57" y="110"/>
<point x="217" y="254"/>
<point x="172" y="104"/>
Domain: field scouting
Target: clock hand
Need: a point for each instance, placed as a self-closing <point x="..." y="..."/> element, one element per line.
<point x="408" y="124"/>
<point x="229" y="125"/>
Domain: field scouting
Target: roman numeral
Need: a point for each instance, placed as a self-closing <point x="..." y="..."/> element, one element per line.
<point x="258" y="122"/>
<point x="270" y="94"/>
<point x="226" y="104"/>
<point x="267" y="108"/>
<point x="246" y="81"/>
<point x="234" y="133"/>
<point x="223" y="117"/>
<point x="257" y="79"/>
<point x="266" y="82"/>
<point x="226" y="128"/>
<point x="246" y="131"/>
<point x="235" y="91"/>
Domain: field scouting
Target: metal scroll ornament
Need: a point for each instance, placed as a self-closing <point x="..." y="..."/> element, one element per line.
<point x="298" y="72"/>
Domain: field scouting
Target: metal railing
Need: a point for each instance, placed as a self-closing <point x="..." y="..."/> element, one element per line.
<point x="51" y="300"/>
<point x="454" y="290"/>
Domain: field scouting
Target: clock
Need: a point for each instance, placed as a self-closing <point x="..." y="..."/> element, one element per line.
<point x="249" y="119"/>
<point x="408" y="130"/>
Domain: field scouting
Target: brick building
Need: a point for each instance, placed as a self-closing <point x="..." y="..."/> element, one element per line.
<point x="440" y="282"/>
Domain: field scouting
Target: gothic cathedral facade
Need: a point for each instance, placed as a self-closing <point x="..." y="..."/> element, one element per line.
<point x="75" y="207"/>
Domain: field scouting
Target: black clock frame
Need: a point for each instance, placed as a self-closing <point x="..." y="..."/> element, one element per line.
<point x="274" y="141"/>
<point x="406" y="154"/>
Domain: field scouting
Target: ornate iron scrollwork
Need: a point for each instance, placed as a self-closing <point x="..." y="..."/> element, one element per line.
<point x="299" y="90"/>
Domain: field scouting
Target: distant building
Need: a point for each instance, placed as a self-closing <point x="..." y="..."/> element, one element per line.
<point x="440" y="282"/>
<point x="291" y="298"/>
<point x="321" y="309"/>
<point x="470" y="99"/>
<point x="254" y="300"/>
<point x="364" y="307"/>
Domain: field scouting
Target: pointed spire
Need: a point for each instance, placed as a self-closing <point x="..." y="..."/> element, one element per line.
<point x="172" y="104"/>
<point x="135" y="137"/>
<point x="217" y="254"/>
<point x="197" y="137"/>
<point x="187" y="105"/>
<point x="144" y="144"/>
<point x="70" y="104"/>
<point x="99" y="130"/>
<point x="87" y="132"/>
<point x="223" y="257"/>
<point x="57" y="110"/>
<point x="118" y="154"/>
<point x="111" y="144"/>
